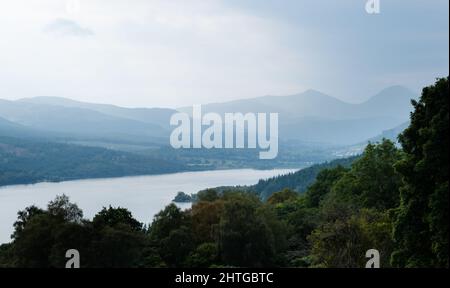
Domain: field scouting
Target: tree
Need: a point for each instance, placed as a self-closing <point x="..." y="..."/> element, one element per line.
<point x="72" y="236"/>
<point x="208" y="195"/>
<point x="62" y="208"/>
<point x="372" y="181"/>
<point x="23" y="217"/>
<point x="204" y="256"/>
<point x="171" y="234"/>
<point x="36" y="231"/>
<point x="33" y="245"/>
<point x="377" y="179"/>
<point x="323" y="184"/>
<point x="118" y="247"/>
<point x="246" y="238"/>
<point x="344" y="242"/>
<point x="421" y="228"/>
<point x="205" y="220"/>
<point x="7" y="256"/>
<point x="282" y="196"/>
<point x="117" y="239"/>
<point x="115" y="216"/>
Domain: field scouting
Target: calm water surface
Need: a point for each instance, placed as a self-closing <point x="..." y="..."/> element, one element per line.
<point x="144" y="196"/>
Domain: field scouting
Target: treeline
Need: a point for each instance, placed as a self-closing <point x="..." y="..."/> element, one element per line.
<point x="29" y="161"/>
<point x="297" y="181"/>
<point x="292" y="154"/>
<point x="390" y="199"/>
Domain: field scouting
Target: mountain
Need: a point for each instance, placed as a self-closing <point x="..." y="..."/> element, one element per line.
<point x="157" y="116"/>
<point x="394" y="102"/>
<point x="11" y="129"/>
<point x="391" y="134"/>
<point x="356" y="149"/>
<point x="316" y="117"/>
<point x="7" y="127"/>
<point x="80" y="123"/>
<point x="308" y="117"/>
<point x="391" y="102"/>
<point x="308" y="104"/>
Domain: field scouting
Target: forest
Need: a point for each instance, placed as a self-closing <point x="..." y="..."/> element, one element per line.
<point x="393" y="199"/>
<point x="24" y="161"/>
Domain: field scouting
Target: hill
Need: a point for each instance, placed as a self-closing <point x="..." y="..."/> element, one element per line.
<point x="25" y="162"/>
<point x="298" y="181"/>
<point x="157" y="116"/>
<point x="80" y="123"/>
<point x="313" y="116"/>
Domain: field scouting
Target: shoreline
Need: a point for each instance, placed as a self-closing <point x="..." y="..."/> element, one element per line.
<point x="144" y="175"/>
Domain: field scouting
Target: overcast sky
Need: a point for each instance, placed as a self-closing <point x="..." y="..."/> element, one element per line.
<point x="172" y="53"/>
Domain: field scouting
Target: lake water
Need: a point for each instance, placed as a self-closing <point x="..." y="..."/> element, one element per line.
<point x="144" y="196"/>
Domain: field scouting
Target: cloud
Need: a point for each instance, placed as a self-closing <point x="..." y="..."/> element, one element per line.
<point x="175" y="53"/>
<point x="66" y="27"/>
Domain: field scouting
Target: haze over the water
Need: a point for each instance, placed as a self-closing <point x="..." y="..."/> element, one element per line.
<point x="176" y="53"/>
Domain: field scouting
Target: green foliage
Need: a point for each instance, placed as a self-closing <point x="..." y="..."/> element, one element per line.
<point x="377" y="181"/>
<point x="23" y="217"/>
<point x="25" y="162"/>
<point x="42" y="237"/>
<point x="343" y="243"/>
<point x="63" y="209"/>
<point x="392" y="200"/>
<point x="298" y="181"/>
<point x="354" y="206"/>
<point x="182" y="197"/>
<point x="204" y="256"/>
<point x="117" y="247"/>
<point x="205" y="220"/>
<point x="323" y="184"/>
<point x="171" y="234"/>
<point x="371" y="183"/>
<point x="6" y="256"/>
<point x="246" y="234"/>
<point x="208" y="195"/>
<point x="116" y="216"/>
<point x="282" y="196"/>
<point x="421" y="228"/>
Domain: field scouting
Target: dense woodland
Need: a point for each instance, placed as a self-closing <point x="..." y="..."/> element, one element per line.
<point x="391" y="199"/>
<point x="29" y="161"/>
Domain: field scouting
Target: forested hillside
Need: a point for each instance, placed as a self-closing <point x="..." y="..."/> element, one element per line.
<point x="24" y="162"/>
<point x="391" y="199"/>
<point x="298" y="181"/>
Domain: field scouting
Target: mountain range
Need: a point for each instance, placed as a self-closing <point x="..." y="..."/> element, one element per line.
<point x="310" y="116"/>
<point x="313" y="128"/>
<point x="390" y="102"/>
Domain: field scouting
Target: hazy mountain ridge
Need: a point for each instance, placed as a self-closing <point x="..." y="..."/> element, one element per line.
<point x="79" y="122"/>
<point x="158" y="116"/>
<point x="313" y="128"/>
<point x="310" y="116"/>
<point x="12" y="129"/>
<point x="393" y="101"/>
<point x="313" y="116"/>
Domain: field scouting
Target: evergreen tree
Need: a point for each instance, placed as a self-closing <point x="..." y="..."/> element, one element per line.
<point x="421" y="228"/>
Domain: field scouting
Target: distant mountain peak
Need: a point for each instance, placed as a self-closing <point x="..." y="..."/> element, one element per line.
<point x="313" y="91"/>
<point x="396" y="88"/>
<point x="49" y="100"/>
<point x="392" y="94"/>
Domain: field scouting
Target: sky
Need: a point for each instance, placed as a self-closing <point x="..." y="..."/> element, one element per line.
<point x="172" y="53"/>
